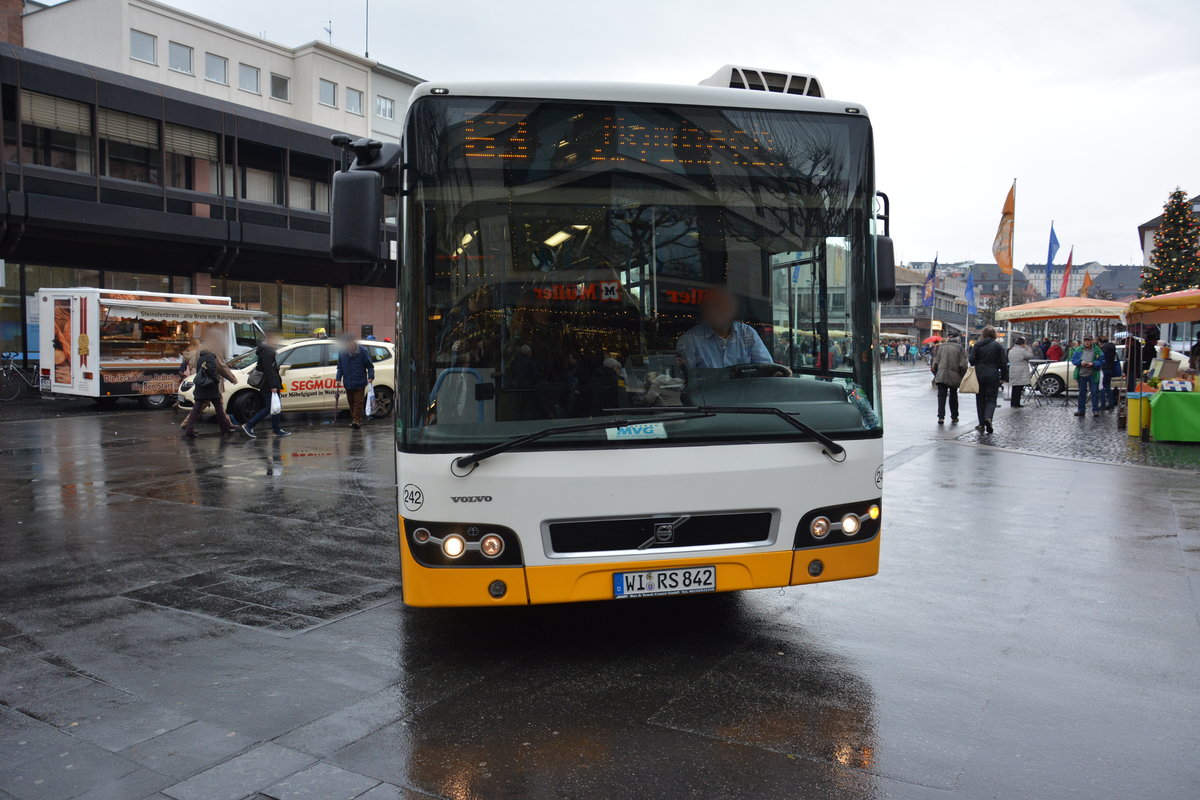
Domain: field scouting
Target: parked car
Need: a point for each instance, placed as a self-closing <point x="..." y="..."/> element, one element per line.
<point x="309" y="371"/>
<point x="1053" y="378"/>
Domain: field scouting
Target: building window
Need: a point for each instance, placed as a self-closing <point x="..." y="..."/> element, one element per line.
<point x="191" y="159"/>
<point x="216" y="69"/>
<point x="55" y="132"/>
<point x="179" y="58"/>
<point x="309" y="194"/>
<point x="248" y="78"/>
<point x="128" y="146"/>
<point x="385" y="107"/>
<point x="261" y="186"/>
<point x="306" y="308"/>
<point x="143" y="47"/>
<point x="354" y="100"/>
<point x="281" y="87"/>
<point x="327" y="93"/>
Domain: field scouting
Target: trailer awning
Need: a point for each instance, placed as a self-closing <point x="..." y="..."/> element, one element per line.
<point x="177" y="312"/>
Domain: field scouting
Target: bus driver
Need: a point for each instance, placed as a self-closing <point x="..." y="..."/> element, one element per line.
<point x="719" y="340"/>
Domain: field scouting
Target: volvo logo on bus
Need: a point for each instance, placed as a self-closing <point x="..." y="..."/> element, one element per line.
<point x="664" y="533"/>
<point x="483" y="498"/>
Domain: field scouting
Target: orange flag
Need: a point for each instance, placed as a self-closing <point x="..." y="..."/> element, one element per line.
<point x="1002" y="246"/>
<point x="1087" y="284"/>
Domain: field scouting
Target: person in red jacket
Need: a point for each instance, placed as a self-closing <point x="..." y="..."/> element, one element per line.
<point x="1054" y="352"/>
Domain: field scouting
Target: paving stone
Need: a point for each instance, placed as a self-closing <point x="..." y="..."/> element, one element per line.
<point x="185" y="751"/>
<point x="345" y="726"/>
<point x="321" y="782"/>
<point x="250" y="772"/>
<point x="64" y="773"/>
<point x="98" y="713"/>
<point x="386" y="791"/>
<point x="135" y="784"/>
<point x="23" y="738"/>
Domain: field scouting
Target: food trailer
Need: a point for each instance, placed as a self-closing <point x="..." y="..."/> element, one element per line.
<point x="106" y="344"/>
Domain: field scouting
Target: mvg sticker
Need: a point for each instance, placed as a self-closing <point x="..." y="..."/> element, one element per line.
<point x="645" y="430"/>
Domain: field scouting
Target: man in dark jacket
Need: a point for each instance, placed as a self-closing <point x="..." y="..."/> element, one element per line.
<point x="354" y="372"/>
<point x="269" y="386"/>
<point x="1110" y="370"/>
<point x="991" y="369"/>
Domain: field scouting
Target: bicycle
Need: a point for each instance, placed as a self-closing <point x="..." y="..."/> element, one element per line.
<point x="12" y="376"/>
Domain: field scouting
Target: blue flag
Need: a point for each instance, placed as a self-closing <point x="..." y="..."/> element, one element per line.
<point x="930" y="285"/>
<point x="971" y="307"/>
<point x="1050" y="257"/>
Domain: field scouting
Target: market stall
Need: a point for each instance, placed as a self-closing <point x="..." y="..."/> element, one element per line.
<point x="1068" y="308"/>
<point x="1173" y="413"/>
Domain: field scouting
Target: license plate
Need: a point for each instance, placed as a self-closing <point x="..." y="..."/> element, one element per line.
<point x="45" y="383"/>
<point x="658" y="582"/>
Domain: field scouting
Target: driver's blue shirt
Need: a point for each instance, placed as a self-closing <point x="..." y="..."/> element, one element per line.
<point x="702" y="347"/>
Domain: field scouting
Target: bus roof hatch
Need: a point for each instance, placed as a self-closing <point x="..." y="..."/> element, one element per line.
<point x="761" y="80"/>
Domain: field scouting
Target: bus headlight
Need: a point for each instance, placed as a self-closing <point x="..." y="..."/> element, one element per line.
<point x="850" y="524"/>
<point x="454" y="546"/>
<point x="421" y="535"/>
<point x="873" y="512"/>
<point x="819" y="527"/>
<point x="491" y="545"/>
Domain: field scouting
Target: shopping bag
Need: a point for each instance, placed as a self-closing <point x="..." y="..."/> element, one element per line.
<point x="369" y="408"/>
<point x="276" y="403"/>
<point x="970" y="383"/>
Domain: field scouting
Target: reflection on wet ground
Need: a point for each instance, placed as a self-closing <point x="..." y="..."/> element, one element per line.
<point x="218" y="618"/>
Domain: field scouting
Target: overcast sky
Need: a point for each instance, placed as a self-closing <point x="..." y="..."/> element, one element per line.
<point x="1093" y="105"/>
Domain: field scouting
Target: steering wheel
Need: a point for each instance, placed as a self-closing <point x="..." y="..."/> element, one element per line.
<point x="759" y="371"/>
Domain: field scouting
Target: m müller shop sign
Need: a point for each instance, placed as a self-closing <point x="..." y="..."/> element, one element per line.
<point x="610" y="292"/>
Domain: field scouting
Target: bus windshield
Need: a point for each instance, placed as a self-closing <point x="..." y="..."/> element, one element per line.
<point x="571" y="261"/>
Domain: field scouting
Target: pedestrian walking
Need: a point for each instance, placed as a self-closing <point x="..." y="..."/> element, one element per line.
<point x="354" y="372"/>
<point x="991" y="369"/>
<point x="270" y="384"/>
<point x="209" y="374"/>
<point x="1088" y="359"/>
<point x="1055" y="351"/>
<point x="1109" y="370"/>
<point x="948" y="365"/>
<point x="1018" y="370"/>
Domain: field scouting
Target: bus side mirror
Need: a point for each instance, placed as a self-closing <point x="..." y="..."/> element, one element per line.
<point x="356" y="213"/>
<point x="885" y="269"/>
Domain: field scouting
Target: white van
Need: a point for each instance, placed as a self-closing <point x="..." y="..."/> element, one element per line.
<point x="106" y="343"/>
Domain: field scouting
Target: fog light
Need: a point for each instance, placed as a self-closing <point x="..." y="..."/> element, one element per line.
<point x="850" y="524"/>
<point x="815" y="568"/>
<point x="491" y="545"/>
<point x="453" y="546"/>
<point x="421" y="535"/>
<point x="819" y="527"/>
<point x="873" y="512"/>
<point x="497" y="589"/>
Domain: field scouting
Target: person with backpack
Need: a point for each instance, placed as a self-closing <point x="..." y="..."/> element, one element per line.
<point x="209" y="374"/>
<point x="354" y="372"/>
<point x="1109" y="370"/>
<point x="991" y="369"/>
<point x="270" y="384"/>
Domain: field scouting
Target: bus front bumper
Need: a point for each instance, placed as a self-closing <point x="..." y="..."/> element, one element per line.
<point x="574" y="582"/>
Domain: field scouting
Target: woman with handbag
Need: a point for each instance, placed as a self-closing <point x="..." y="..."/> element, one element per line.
<point x="990" y="361"/>
<point x="948" y="365"/>
<point x="269" y="383"/>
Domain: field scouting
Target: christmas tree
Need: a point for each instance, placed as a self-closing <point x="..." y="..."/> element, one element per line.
<point x="1175" y="263"/>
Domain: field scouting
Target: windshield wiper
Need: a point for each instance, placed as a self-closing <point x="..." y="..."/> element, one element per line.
<point x="831" y="448"/>
<point x="472" y="461"/>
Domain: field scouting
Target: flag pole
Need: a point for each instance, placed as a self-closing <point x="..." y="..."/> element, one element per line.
<point x="1012" y="250"/>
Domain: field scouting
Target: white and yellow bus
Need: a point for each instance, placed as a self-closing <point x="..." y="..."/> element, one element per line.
<point x="639" y="323"/>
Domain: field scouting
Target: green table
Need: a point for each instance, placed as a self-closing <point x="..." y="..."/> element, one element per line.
<point x="1175" y="416"/>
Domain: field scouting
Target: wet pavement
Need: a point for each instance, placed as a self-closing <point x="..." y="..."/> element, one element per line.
<point x="219" y="619"/>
